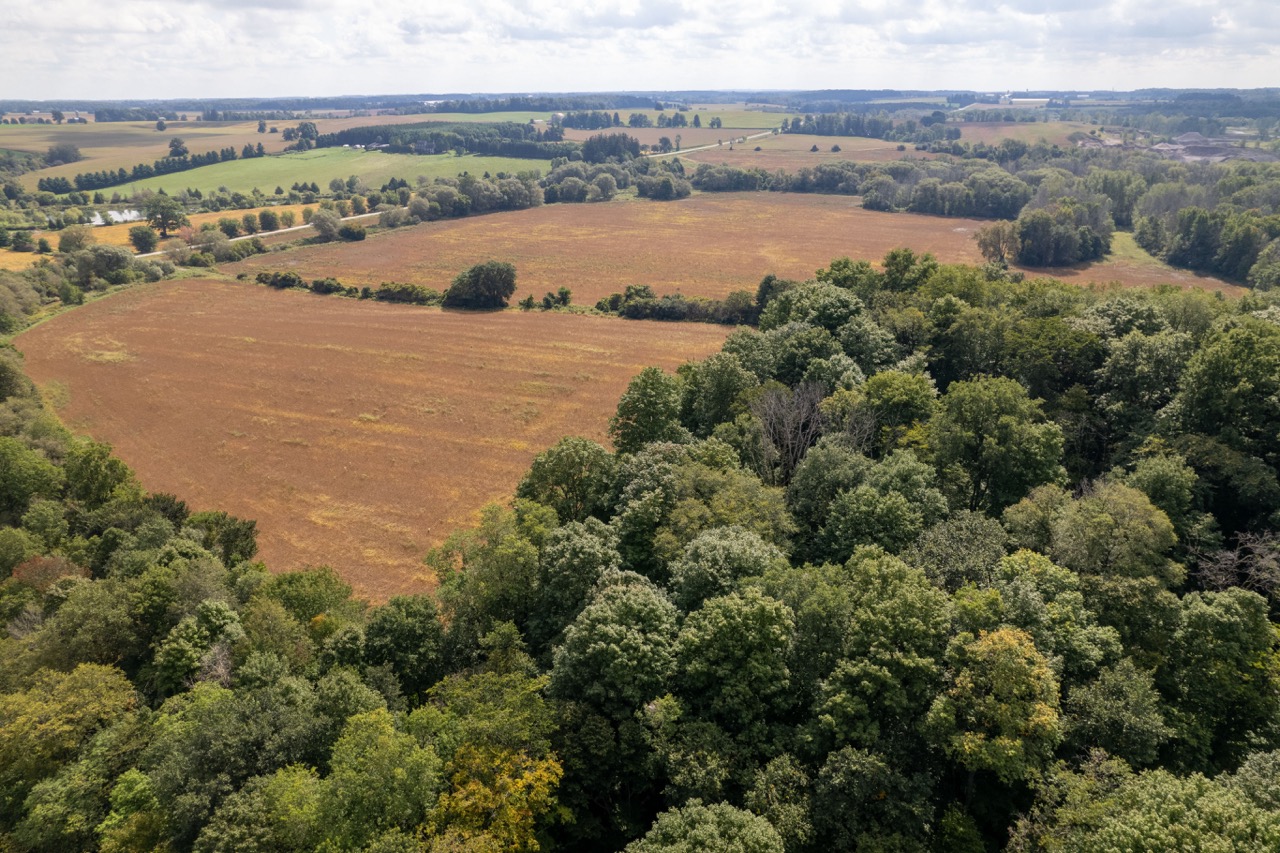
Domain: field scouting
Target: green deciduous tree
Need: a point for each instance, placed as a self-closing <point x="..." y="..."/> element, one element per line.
<point x="648" y="411"/>
<point x="991" y="443"/>
<point x="1001" y="712"/>
<point x="574" y="477"/>
<point x="1231" y="390"/>
<point x="45" y="725"/>
<point x="406" y="635"/>
<point x="382" y="779"/>
<point x="326" y="223"/>
<point x="143" y="238"/>
<point x="164" y="213"/>
<point x="620" y="651"/>
<point x="714" y="562"/>
<point x="732" y="657"/>
<point x="24" y="474"/>
<point x="1120" y="712"/>
<point x="886" y="655"/>
<point x="484" y="286"/>
<point x="1222" y="679"/>
<point x="720" y="827"/>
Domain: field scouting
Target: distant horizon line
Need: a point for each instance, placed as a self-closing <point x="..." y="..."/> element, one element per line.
<point x="477" y="95"/>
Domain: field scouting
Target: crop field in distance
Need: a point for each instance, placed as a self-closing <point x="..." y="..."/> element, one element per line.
<point x="1030" y="132"/>
<point x="113" y="145"/>
<point x="707" y="245"/>
<point x="321" y="165"/>
<point x="794" y="151"/>
<point x="357" y="434"/>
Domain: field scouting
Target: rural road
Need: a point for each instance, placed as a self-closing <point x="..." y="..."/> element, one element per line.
<point x="706" y="147"/>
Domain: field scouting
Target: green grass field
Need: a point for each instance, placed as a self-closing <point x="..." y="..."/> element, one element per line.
<point x="322" y="165"/>
<point x="733" y="116"/>
<point x="1027" y="131"/>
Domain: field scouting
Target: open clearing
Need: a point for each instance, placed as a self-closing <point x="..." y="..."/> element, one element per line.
<point x="357" y="434"/>
<point x="707" y="245"/>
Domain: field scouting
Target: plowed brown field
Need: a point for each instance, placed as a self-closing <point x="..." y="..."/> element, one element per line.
<point x="357" y="434"/>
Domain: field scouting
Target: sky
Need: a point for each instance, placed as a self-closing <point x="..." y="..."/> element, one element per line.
<point x="136" y="49"/>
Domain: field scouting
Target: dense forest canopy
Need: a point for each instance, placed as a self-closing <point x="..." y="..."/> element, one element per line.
<point x="930" y="558"/>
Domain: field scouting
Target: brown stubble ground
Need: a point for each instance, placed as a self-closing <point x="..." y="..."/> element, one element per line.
<point x="357" y="434"/>
<point x="707" y="245"/>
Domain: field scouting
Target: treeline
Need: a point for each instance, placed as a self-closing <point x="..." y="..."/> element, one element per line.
<point x="499" y="139"/>
<point x="448" y="198"/>
<point x="78" y="266"/>
<point x="640" y="302"/>
<point x="388" y="291"/>
<point x="485" y="286"/>
<point x="587" y="181"/>
<point x="1065" y="203"/>
<point x="164" y="166"/>
<point x="105" y="114"/>
<point x="589" y="120"/>
<point x="873" y="125"/>
<point x="541" y="104"/>
<point x="1243" y="245"/>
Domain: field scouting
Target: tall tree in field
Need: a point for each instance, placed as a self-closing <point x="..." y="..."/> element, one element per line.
<point x="164" y="213"/>
<point x="483" y="286"/>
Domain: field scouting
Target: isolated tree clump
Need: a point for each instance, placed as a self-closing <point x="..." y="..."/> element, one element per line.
<point x="327" y="224"/>
<point x="143" y="238"/>
<point x="483" y="286"/>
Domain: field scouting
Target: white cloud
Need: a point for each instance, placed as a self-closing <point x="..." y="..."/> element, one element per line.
<point x="150" y="49"/>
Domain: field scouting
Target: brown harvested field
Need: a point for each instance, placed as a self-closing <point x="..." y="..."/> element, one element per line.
<point x="17" y="260"/>
<point x="793" y="151"/>
<point x="707" y="245"/>
<point x="357" y="434"/>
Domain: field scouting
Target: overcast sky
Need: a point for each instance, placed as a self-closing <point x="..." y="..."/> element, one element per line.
<point x="202" y="48"/>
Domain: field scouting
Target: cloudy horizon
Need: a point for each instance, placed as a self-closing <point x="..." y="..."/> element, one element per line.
<point x="145" y="49"/>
